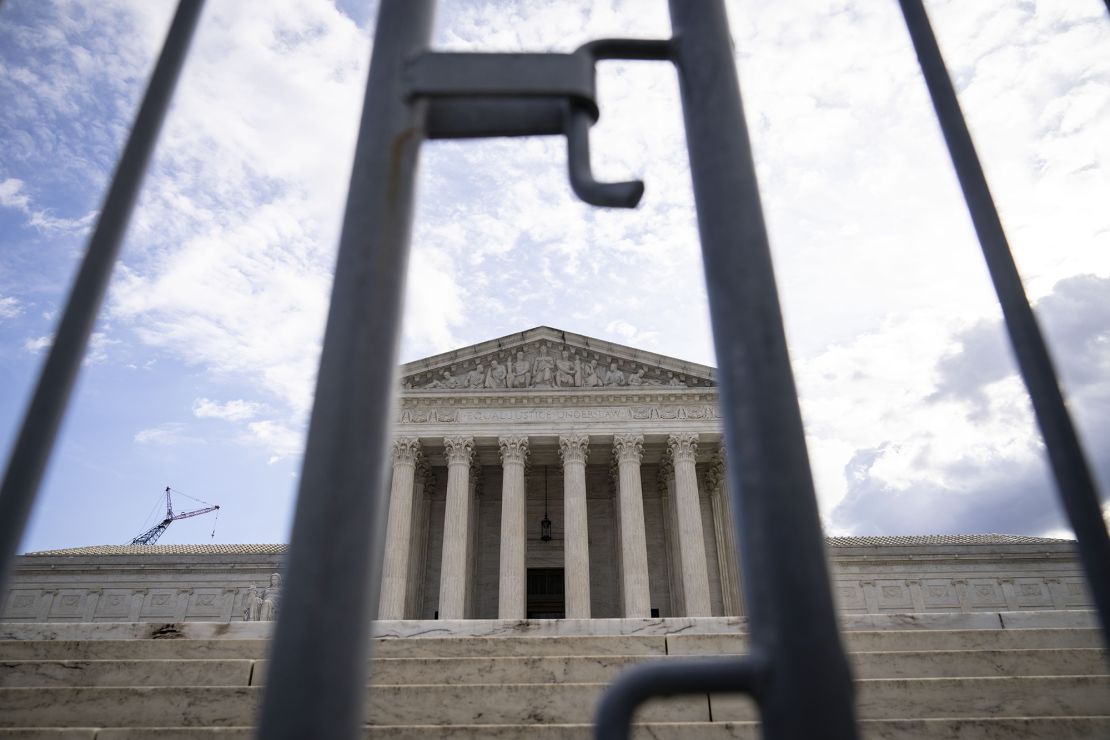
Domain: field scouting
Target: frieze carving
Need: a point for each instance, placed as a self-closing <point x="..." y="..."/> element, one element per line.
<point x="424" y="415"/>
<point x="542" y="365"/>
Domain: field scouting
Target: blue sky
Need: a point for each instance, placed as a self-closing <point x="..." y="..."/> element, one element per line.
<point x="201" y="368"/>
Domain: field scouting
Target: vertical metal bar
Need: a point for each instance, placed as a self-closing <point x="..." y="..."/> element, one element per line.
<point x="32" y="449"/>
<point x="808" y="692"/>
<point x="318" y="679"/>
<point x="1069" y="465"/>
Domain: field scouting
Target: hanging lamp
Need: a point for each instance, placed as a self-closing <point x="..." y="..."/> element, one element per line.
<point x="545" y="524"/>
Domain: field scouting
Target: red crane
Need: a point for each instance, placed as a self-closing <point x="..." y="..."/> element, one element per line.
<point x="151" y="536"/>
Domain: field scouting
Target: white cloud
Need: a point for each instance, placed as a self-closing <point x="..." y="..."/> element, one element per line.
<point x="12" y="195"/>
<point x="236" y="410"/>
<point x="97" y="350"/>
<point x="10" y="307"/>
<point x="276" y="437"/>
<point x="167" y="435"/>
<point x="38" y="344"/>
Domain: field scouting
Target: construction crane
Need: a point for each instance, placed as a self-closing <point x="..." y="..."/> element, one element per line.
<point x="151" y="536"/>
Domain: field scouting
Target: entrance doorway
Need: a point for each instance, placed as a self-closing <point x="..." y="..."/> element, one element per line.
<point x="546" y="595"/>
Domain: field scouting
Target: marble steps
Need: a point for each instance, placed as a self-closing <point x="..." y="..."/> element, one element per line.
<point x="594" y="669"/>
<point x="31" y="645"/>
<point x="534" y="669"/>
<point x="541" y="704"/>
<point x="981" y="728"/>
<point x="134" y="649"/>
<point x="578" y="628"/>
<point x="123" y="673"/>
<point x="910" y="640"/>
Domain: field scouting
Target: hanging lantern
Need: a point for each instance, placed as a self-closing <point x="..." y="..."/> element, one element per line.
<point x="545" y="524"/>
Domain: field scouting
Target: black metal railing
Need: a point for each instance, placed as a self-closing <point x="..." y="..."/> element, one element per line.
<point x="319" y="671"/>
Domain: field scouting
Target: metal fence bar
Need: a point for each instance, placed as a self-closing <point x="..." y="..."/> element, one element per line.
<point x="676" y="678"/>
<point x="32" y="448"/>
<point x="793" y="622"/>
<point x="317" y="684"/>
<point x="792" y="617"/>
<point x="1069" y="465"/>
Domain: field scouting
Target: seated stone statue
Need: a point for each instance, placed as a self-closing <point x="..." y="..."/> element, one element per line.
<point x="520" y="372"/>
<point x="614" y="376"/>
<point x="567" y="371"/>
<point x="497" y="375"/>
<point x="476" y="378"/>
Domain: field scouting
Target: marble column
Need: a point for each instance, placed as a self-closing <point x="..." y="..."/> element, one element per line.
<point x="576" y="542"/>
<point x="513" y="580"/>
<point x="725" y="534"/>
<point x="456" y="520"/>
<point x="629" y="451"/>
<point x="691" y="539"/>
<point x="665" y="480"/>
<point x="472" y="544"/>
<point x="418" y="543"/>
<point x="398" y="535"/>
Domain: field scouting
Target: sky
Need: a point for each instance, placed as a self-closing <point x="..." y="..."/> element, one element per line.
<point x="201" y="368"/>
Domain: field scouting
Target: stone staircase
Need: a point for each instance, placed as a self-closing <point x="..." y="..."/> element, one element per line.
<point x="954" y="676"/>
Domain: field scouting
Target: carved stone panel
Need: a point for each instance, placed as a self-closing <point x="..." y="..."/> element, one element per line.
<point x="115" y="604"/>
<point x="982" y="592"/>
<point x="206" y="602"/>
<point x="894" y="596"/>
<point x="68" y="605"/>
<point x="549" y="364"/>
<point x="939" y="594"/>
<point x="1032" y="593"/>
<point x="160" y="603"/>
<point x="22" y="604"/>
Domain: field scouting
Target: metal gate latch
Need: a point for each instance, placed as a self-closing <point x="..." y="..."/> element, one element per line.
<point x="476" y="95"/>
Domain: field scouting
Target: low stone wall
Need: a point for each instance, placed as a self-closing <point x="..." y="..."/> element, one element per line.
<point x="213" y="587"/>
<point x="945" y="578"/>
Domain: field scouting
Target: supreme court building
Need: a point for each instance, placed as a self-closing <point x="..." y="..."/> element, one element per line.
<point x="549" y="475"/>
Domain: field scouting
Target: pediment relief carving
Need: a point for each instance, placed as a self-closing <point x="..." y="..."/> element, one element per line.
<point x="547" y="365"/>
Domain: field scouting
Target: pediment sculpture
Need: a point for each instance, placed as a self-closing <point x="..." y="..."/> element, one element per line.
<point x="547" y="365"/>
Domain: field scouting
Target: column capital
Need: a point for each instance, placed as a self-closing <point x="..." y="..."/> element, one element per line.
<point x="459" y="450"/>
<point x="628" y="447"/>
<point x="683" y="446"/>
<point x="513" y="449"/>
<point x="406" y="450"/>
<point x="574" y="448"/>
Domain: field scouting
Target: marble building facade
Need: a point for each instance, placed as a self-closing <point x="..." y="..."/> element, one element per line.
<point x="617" y="448"/>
